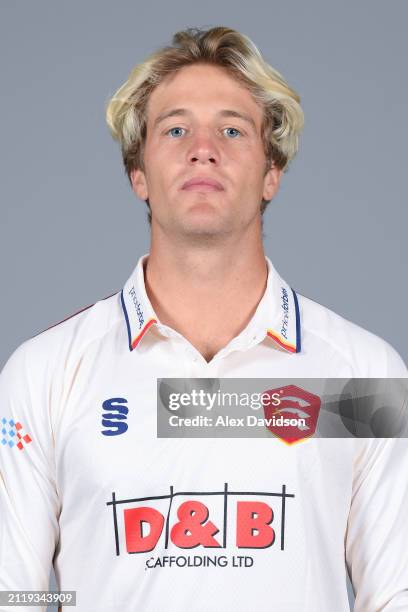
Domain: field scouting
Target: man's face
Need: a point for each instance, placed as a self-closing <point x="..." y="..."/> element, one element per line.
<point x="204" y="129"/>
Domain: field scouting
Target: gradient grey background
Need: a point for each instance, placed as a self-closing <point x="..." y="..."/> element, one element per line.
<point x="71" y="228"/>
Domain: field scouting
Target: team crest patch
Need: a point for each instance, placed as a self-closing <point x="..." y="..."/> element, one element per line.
<point x="296" y="415"/>
<point x="13" y="434"/>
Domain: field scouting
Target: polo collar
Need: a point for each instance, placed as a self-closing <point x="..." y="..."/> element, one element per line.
<point x="138" y="311"/>
<point x="276" y="317"/>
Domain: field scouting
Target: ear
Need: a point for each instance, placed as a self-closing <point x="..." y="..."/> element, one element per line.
<point x="271" y="182"/>
<point x="139" y="183"/>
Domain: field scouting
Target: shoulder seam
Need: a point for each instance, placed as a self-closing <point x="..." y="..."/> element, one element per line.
<point x="313" y="331"/>
<point x="331" y="344"/>
<point x="334" y="344"/>
<point x="73" y="315"/>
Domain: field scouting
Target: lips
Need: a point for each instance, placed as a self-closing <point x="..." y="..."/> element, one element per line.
<point x="202" y="183"/>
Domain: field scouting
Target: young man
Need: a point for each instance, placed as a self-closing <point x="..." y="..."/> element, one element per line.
<point x="137" y="522"/>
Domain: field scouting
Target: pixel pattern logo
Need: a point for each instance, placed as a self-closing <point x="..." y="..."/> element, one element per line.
<point x="12" y="434"/>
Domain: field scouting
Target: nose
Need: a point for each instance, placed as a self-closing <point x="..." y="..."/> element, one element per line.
<point x="203" y="149"/>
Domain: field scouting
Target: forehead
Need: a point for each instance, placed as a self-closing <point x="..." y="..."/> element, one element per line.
<point x="202" y="87"/>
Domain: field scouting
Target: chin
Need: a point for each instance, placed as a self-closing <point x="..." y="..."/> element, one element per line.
<point x="209" y="229"/>
<point x="202" y="216"/>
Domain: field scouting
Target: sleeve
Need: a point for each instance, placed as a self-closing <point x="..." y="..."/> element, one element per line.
<point x="376" y="541"/>
<point x="29" y="504"/>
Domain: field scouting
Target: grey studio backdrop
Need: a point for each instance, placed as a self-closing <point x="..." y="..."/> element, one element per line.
<point x="72" y="230"/>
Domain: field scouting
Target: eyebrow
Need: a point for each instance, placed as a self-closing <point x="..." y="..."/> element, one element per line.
<point x="222" y="113"/>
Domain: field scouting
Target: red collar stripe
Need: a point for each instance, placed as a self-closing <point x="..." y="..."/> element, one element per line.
<point x="142" y="333"/>
<point x="283" y="343"/>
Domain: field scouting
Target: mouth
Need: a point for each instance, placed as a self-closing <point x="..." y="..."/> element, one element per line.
<point x="202" y="184"/>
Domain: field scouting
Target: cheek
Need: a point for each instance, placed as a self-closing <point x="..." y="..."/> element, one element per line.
<point x="249" y="157"/>
<point x="252" y="178"/>
<point x="157" y="170"/>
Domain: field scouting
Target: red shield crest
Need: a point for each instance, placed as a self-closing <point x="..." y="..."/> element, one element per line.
<point x="295" y="417"/>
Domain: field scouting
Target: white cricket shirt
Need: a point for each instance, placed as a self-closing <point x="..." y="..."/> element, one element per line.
<point x="141" y="523"/>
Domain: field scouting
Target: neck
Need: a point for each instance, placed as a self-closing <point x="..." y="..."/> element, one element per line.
<point x="208" y="293"/>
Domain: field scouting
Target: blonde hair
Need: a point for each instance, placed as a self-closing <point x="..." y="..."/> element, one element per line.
<point x="220" y="46"/>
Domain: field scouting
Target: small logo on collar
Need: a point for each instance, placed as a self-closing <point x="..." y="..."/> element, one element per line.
<point x="285" y="313"/>
<point x="138" y="308"/>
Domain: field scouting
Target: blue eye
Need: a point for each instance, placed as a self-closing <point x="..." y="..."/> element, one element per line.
<point x="176" y="131"/>
<point x="233" y="132"/>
